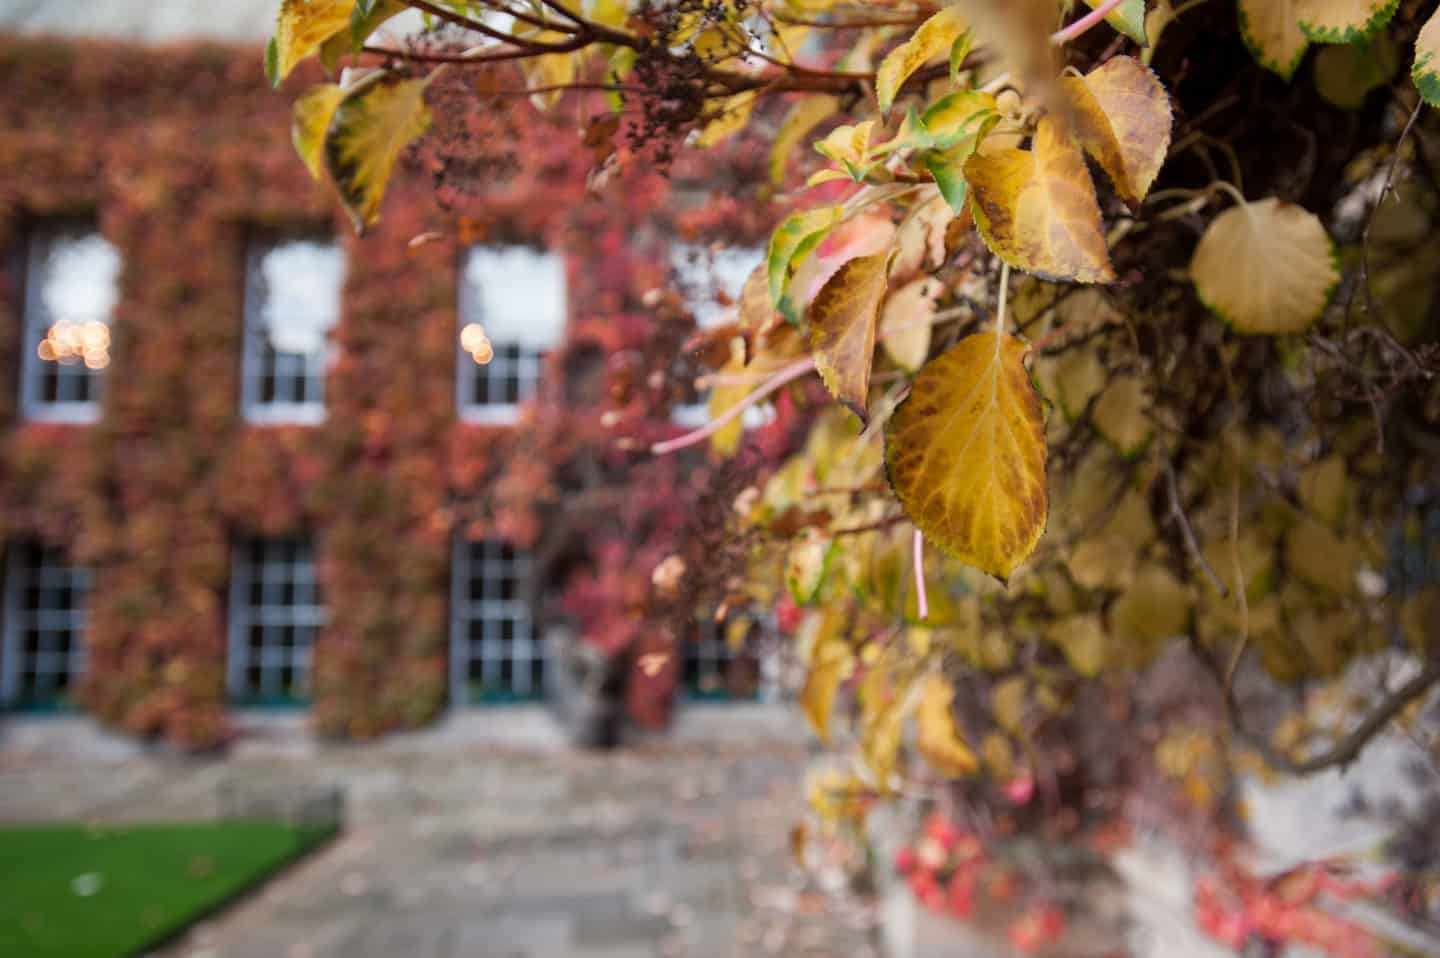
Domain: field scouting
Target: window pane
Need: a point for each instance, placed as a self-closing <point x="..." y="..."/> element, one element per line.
<point x="292" y="302"/>
<point x="72" y="284"/>
<point x="512" y="310"/>
<point x="493" y="649"/>
<point x="44" y="625"/>
<point x="276" y="608"/>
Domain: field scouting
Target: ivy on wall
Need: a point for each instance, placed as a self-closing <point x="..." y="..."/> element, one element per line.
<point x="181" y="155"/>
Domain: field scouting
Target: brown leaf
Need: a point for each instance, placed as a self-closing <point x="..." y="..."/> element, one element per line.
<point x="843" y="320"/>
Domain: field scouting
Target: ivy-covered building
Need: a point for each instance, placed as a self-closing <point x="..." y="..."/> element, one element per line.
<point x="247" y="457"/>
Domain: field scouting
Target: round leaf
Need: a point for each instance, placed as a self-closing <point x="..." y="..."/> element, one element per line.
<point x="1266" y="267"/>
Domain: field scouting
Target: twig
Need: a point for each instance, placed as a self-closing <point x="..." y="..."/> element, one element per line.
<point x="1188" y="534"/>
<point x="922" y="599"/>
<point x="786" y="374"/>
<point x="1344" y="751"/>
<point x="1386" y="188"/>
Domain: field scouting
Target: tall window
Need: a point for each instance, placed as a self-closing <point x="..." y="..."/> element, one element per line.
<point x="44" y="648"/>
<point x="512" y="311"/>
<point x="711" y="281"/>
<point x="71" y="284"/>
<point x="276" y="611"/>
<point x="292" y="301"/>
<point x="494" y="653"/>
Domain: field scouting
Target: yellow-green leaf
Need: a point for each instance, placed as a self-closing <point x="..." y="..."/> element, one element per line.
<point x="311" y="121"/>
<point x="1128" y="18"/>
<point x="965" y="454"/>
<point x="793" y="240"/>
<point x="934" y="37"/>
<point x="1266" y="267"/>
<point x="1271" y="31"/>
<point x="302" y="26"/>
<point x="807" y="113"/>
<point x="1122" y="118"/>
<point x="937" y="739"/>
<point x="1346" y="73"/>
<point x="843" y="320"/>
<point x="374" y="122"/>
<point x="1036" y="209"/>
<point x="805" y="565"/>
<point x="1426" y="71"/>
<point x="1343" y="21"/>
<point x="850" y="147"/>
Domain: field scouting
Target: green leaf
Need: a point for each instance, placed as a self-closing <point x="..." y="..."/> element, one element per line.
<point x="373" y="124"/>
<point x="959" y="50"/>
<point x="843" y="321"/>
<point x="1128" y="18"/>
<point x="272" y="62"/>
<point x="965" y="454"/>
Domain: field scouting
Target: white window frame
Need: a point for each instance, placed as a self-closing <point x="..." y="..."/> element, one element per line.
<point x="258" y="352"/>
<point x="695" y="266"/>
<point x="49" y="571"/>
<point x="36" y="322"/>
<point x="272" y="658"/>
<point x="491" y="612"/>
<point x="519" y="344"/>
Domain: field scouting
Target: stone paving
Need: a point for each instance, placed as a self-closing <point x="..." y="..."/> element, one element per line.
<point x="465" y="849"/>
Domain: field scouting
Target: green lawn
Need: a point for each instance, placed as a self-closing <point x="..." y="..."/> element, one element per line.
<point x="107" y="892"/>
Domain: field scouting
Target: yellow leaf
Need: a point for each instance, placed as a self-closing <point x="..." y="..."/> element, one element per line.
<point x="830" y="663"/>
<point x="726" y="440"/>
<point x="1155" y="607"/>
<point x="1122" y="118"/>
<point x="1426" y="71"/>
<point x="1267" y="267"/>
<point x="1315" y="553"/>
<point x="1071" y="380"/>
<point x="965" y="454"/>
<point x="807" y="113"/>
<point x="374" y="122"/>
<point x="733" y="115"/>
<point x="1082" y="638"/>
<point x="548" y="71"/>
<point x="1007" y="704"/>
<point x="849" y="145"/>
<point x="1036" y="209"/>
<point x="843" y="320"/>
<point x="303" y="25"/>
<point x="1321" y="488"/>
<point x="934" y="37"/>
<point x="998" y="755"/>
<point x="311" y="121"/>
<point x="905" y="322"/>
<point x="1271" y="31"/>
<point x="937" y="739"/>
<point x="1122" y="414"/>
<point x="1343" y="21"/>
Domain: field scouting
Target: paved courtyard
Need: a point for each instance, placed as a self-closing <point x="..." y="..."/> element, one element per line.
<point x="459" y="844"/>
